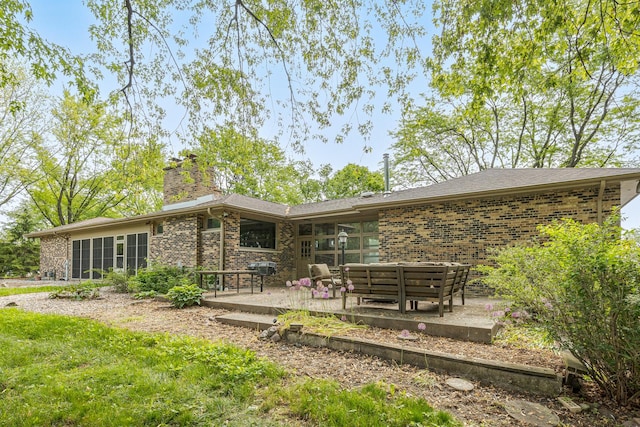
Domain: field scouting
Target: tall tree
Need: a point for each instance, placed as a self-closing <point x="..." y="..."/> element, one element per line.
<point x="352" y="181"/>
<point x="19" y="256"/>
<point x="248" y="165"/>
<point x="89" y="169"/>
<point x="527" y="84"/>
<point x="22" y="116"/>
<point x="318" y="62"/>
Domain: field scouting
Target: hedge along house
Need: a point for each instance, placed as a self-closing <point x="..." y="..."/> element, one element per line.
<point x="457" y="220"/>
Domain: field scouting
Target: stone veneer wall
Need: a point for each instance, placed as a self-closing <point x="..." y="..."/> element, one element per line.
<point x="464" y="231"/>
<point x="184" y="184"/>
<point x="53" y="255"/>
<point x="178" y="244"/>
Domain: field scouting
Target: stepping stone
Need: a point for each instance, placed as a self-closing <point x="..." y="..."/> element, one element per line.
<point x="459" y="384"/>
<point x="531" y="413"/>
<point x="570" y="404"/>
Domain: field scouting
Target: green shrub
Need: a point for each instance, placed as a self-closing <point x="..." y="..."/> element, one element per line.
<point x="185" y="295"/>
<point x="118" y="280"/>
<point x="159" y="279"/>
<point x="582" y="284"/>
<point x="145" y="295"/>
<point x="81" y="291"/>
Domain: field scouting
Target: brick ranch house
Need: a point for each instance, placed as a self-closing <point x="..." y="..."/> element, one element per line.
<point x="457" y="220"/>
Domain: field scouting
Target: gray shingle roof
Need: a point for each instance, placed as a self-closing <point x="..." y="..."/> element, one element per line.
<point x="501" y="181"/>
<point x="484" y="183"/>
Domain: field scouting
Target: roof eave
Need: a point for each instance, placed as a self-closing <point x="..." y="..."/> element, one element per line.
<point x="498" y="193"/>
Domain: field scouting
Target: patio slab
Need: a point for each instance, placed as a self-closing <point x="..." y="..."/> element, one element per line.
<point x="469" y="322"/>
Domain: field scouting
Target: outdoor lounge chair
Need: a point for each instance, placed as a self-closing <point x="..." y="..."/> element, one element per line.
<point x="321" y="272"/>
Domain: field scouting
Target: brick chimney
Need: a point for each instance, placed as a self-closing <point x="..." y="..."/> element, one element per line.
<point x="184" y="181"/>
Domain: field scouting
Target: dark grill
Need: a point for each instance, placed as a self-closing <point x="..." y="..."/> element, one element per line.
<point x="263" y="268"/>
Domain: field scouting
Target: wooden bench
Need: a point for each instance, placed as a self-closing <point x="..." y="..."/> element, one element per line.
<point x="373" y="282"/>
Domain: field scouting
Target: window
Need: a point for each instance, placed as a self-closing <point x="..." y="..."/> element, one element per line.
<point x="136" y="251"/>
<point x="80" y="258"/>
<point x="362" y="244"/>
<point x="257" y="234"/>
<point x="212" y="223"/>
<point x="159" y="229"/>
<point x="90" y="257"/>
<point x="102" y="256"/>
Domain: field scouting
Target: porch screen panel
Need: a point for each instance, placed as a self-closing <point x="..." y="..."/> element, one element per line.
<point x="107" y="253"/>
<point x="85" y="258"/>
<point x="131" y="252"/>
<point x="142" y="250"/>
<point x="75" y="259"/>
<point x="97" y="258"/>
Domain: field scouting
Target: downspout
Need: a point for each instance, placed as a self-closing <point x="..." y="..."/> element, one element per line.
<point x="603" y="184"/>
<point x="221" y="261"/>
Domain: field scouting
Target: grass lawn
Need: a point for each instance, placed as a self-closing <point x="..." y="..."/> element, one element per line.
<point x="5" y="292"/>
<point x="66" y="371"/>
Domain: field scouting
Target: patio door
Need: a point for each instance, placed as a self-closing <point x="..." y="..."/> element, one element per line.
<point x="304" y="256"/>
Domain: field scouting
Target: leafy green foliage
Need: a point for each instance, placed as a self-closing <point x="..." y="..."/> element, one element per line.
<point x="81" y="291"/>
<point x="525" y="83"/>
<point x="324" y="403"/>
<point x="19" y="256"/>
<point x="87" y="170"/>
<point x="185" y="295"/>
<point x="61" y="370"/>
<point x="582" y="283"/>
<point x="160" y="279"/>
<point x="351" y="181"/>
<point x="325" y="325"/>
<point x="18" y="40"/>
<point x="145" y="295"/>
<point x="119" y="280"/>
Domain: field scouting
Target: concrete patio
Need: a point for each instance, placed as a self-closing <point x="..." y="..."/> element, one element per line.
<point x="469" y="322"/>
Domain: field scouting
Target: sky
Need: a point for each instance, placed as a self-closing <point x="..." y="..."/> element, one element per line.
<point x="65" y="22"/>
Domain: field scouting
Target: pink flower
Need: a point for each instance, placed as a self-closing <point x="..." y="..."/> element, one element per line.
<point x="305" y="281"/>
<point x="351" y="287"/>
<point x="346" y="269"/>
<point x="343" y="289"/>
<point x="289" y="283"/>
<point x="488" y="307"/>
<point x="325" y="295"/>
<point x="422" y="326"/>
<point x="343" y="318"/>
<point x="404" y="333"/>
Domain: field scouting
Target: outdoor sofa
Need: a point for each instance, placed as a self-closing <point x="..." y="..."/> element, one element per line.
<point x="409" y="281"/>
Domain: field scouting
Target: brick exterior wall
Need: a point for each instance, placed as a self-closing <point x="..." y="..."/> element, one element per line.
<point x="184" y="184"/>
<point x="464" y="231"/>
<point x="53" y="256"/>
<point x="179" y="244"/>
<point x="239" y="258"/>
<point x="186" y="241"/>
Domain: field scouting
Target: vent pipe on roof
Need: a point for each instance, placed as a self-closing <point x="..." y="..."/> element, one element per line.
<point x="387" y="190"/>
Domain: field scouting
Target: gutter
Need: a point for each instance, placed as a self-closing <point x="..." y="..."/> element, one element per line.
<point x="599" y="202"/>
